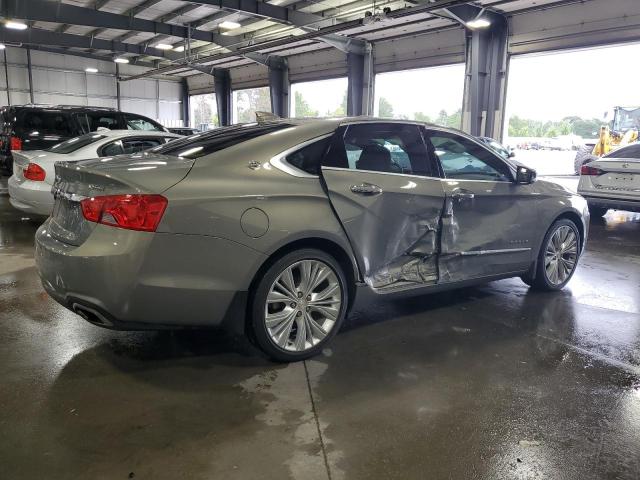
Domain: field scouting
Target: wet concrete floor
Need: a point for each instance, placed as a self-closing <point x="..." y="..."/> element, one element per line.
<point x="494" y="382"/>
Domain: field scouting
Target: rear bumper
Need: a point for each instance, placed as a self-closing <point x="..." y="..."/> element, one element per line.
<point x="138" y="280"/>
<point x="614" y="203"/>
<point x="31" y="197"/>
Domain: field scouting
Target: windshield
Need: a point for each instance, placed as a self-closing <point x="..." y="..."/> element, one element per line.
<point x="76" y="143"/>
<point x="202" y="144"/>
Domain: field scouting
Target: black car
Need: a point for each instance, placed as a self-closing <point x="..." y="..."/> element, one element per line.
<point x="186" y="131"/>
<point x="36" y="127"/>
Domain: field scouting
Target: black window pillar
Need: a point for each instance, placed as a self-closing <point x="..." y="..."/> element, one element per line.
<point x="222" y="89"/>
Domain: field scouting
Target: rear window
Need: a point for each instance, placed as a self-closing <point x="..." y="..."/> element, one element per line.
<point x="202" y="144"/>
<point x="76" y="143"/>
<point x="39" y="122"/>
<point x="630" y="151"/>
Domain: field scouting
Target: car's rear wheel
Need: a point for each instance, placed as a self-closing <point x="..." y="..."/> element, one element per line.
<point x="597" y="212"/>
<point x="558" y="257"/>
<point x="298" y="305"/>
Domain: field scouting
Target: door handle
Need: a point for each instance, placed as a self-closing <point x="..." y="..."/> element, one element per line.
<point x="461" y="195"/>
<point x="366" y="189"/>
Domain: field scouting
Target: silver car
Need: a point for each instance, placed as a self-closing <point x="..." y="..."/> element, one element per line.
<point x="270" y="229"/>
<point x="612" y="181"/>
<point x="33" y="170"/>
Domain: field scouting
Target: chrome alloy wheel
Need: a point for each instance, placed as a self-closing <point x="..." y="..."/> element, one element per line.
<point x="561" y="255"/>
<point x="303" y="305"/>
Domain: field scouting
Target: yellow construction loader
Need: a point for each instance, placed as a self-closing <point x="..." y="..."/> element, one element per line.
<point x="622" y="131"/>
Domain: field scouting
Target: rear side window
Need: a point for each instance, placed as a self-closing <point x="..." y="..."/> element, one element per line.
<point x="135" y="122"/>
<point x="308" y="158"/>
<point x="381" y="147"/>
<point x="631" y="151"/>
<point x="202" y="144"/>
<point x="76" y="143"/>
<point x="90" y="121"/>
<point x="39" y="122"/>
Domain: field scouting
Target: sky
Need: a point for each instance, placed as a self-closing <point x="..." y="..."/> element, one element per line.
<point x="323" y="95"/>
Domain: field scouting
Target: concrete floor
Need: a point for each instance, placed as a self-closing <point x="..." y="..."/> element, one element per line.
<point x="493" y="382"/>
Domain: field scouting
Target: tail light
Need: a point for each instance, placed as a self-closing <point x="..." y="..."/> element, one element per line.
<point x="133" y="212"/>
<point x="34" y="172"/>
<point x="15" y="143"/>
<point x="586" y="170"/>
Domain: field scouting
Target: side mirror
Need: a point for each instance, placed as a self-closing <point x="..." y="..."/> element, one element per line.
<point x="525" y="176"/>
<point x="512" y="153"/>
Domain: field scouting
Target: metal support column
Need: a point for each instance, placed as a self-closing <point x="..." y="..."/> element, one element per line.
<point x="6" y="76"/>
<point x="222" y="89"/>
<point x="31" y="97"/>
<point x="186" y="111"/>
<point x="360" y="81"/>
<point x="279" y="87"/>
<point x="118" y="86"/>
<point x="486" y="73"/>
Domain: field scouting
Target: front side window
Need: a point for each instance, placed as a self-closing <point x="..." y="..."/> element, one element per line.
<point x="631" y="151"/>
<point x="76" y="143"/>
<point x="201" y="144"/>
<point x="464" y="159"/>
<point x="381" y="147"/>
<point x="135" y="122"/>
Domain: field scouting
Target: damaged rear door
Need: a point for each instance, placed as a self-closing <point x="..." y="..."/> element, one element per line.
<point x="387" y="194"/>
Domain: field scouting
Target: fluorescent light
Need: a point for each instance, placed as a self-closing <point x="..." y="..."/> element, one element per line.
<point x="91" y="70"/>
<point x="15" y="25"/>
<point x="2" y="46"/>
<point x="478" y="23"/>
<point x="227" y="25"/>
<point x="163" y="46"/>
<point x="179" y="49"/>
<point x="121" y="60"/>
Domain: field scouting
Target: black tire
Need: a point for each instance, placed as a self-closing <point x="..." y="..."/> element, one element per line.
<point x="583" y="155"/>
<point x="597" y="212"/>
<point x="541" y="282"/>
<point x="258" y="300"/>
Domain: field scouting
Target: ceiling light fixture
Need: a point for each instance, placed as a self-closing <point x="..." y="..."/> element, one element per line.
<point x="15" y="25"/>
<point x="227" y="25"/>
<point x="163" y="46"/>
<point x="478" y="23"/>
<point x="2" y="46"/>
<point x="91" y="70"/>
<point x="121" y="60"/>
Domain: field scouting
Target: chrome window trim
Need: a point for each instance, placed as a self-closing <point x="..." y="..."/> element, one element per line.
<point x="412" y="175"/>
<point x="279" y="161"/>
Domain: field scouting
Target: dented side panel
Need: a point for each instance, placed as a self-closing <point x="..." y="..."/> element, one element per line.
<point x="395" y="233"/>
<point x="487" y="228"/>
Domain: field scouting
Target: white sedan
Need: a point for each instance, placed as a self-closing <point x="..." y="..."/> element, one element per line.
<point x="613" y="181"/>
<point x="34" y="172"/>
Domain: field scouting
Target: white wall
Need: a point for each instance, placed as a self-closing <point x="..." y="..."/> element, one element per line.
<point x="61" y="79"/>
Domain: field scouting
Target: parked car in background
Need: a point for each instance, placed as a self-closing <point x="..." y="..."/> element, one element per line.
<point x="34" y="172"/>
<point x="37" y="127"/>
<point x="498" y="147"/>
<point x="184" y="131"/>
<point x="270" y="228"/>
<point x="612" y="181"/>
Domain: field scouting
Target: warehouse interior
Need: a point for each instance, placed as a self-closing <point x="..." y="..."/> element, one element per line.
<point x="490" y="381"/>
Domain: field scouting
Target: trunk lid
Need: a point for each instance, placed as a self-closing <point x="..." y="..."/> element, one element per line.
<point x="140" y="173"/>
<point x="620" y="175"/>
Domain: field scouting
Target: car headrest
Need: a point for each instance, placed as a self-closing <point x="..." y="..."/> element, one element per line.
<point x="374" y="157"/>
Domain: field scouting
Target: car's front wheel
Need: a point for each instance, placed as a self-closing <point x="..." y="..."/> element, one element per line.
<point x="558" y="257"/>
<point x="298" y="305"/>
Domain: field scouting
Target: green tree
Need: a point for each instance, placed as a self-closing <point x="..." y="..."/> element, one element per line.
<point x="303" y="109"/>
<point x="422" y="117"/>
<point x="341" y="111"/>
<point x="251" y="100"/>
<point x="385" y="109"/>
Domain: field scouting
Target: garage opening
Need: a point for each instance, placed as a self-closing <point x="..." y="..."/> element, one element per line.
<point x="428" y="94"/>
<point x="203" y="111"/>
<point x="550" y="117"/>
<point x="245" y="104"/>
<point x="323" y="98"/>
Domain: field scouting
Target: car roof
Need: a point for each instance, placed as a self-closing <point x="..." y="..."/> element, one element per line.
<point x="133" y="133"/>
<point x="36" y="106"/>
